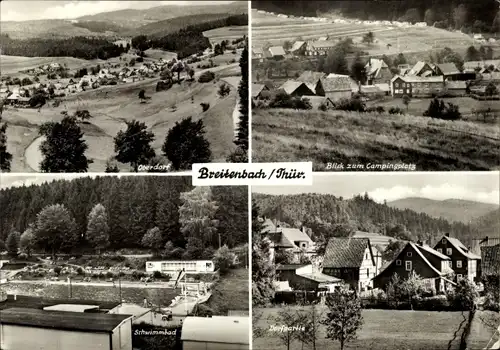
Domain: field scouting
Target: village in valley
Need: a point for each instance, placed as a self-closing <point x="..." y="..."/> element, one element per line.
<point x="126" y="263"/>
<point x="333" y="269"/>
<point x="374" y="90"/>
<point x="162" y="72"/>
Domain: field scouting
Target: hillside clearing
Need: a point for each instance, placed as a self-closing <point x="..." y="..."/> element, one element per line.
<point x="14" y="64"/>
<point x="226" y="33"/>
<point x="363" y="138"/>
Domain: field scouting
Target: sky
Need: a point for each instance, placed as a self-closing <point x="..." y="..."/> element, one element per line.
<point x="8" y="180"/>
<point x="477" y="186"/>
<point x="16" y="10"/>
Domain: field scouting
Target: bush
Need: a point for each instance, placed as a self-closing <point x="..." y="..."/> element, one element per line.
<point x="138" y="274"/>
<point x="438" y="109"/>
<point x="163" y="85"/>
<point x="206" y="77"/>
<point x="203" y="310"/>
<point x="110" y="274"/>
<point x="354" y="104"/>
<point x="205" y="106"/>
<point x="80" y="271"/>
<point x="396" y="110"/>
<point x="283" y="100"/>
<point x="157" y="274"/>
<point x="57" y="270"/>
<point x="224" y="90"/>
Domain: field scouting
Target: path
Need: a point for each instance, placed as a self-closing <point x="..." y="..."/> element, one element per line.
<point x="235" y="82"/>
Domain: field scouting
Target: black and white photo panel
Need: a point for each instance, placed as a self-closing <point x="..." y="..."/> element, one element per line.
<point x="123" y="262"/>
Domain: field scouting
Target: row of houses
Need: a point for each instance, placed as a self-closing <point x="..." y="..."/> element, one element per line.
<point x="357" y="262"/>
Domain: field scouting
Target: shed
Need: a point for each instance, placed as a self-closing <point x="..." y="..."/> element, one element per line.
<point x="215" y="333"/>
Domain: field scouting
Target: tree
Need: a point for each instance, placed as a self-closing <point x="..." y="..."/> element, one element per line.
<point x="166" y="74"/>
<point x="412" y="287"/>
<point x="197" y="218"/>
<point x="178" y="67"/>
<point x="111" y="167"/>
<point x="283" y="257"/>
<point x="343" y="318"/>
<point x="83" y="115"/>
<point x="242" y="132"/>
<point x="142" y="95"/>
<point x="218" y="50"/>
<point x="336" y="62"/>
<point x="12" y="243"/>
<point x="2" y="246"/>
<point x="27" y="241"/>
<point x="465" y="295"/>
<point x="369" y="38"/>
<point x="190" y="72"/>
<point x="55" y="229"/>
<point x="224" y="90"/>
<point x="263" y="268"/>
<point x="358" y="72"/>
<point x="460" y="16"/>
<point x="287" y="45"/>
<point x="186" y="144"/>
<point x="5" y="156"/>
<point x="98" y="228"/>
<point x="290" y="319"/>
<point x="399" y="60"/>
<point x="140" y="42"/>
<point x="134" y="145"/>
<point x="406" y="101"/>
<point x="429" y="17"/>
<point x="472" y="54"/>
<point x="311" y="321"/>
<point x="153" y="240"/>
<point x="224" y="259"/>
<point x="392" y="250"/>
<point x="491" y="90"/>
<point x="63" y="148"/>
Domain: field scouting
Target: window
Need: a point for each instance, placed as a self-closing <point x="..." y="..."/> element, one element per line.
<point x="440" y="250"/>
<point x="408" y="254"/>
<point x="448" y="251"/>
<point x="368" y="272"/>
<point x="443" y="241"/>
<point x="397" y="85"/>
<point x="450" y="263"/>
<point x="408" y="265"/>
<point x="398" y="262"/>
<point x="459" y="277"/>
<point x="459" y="264"/>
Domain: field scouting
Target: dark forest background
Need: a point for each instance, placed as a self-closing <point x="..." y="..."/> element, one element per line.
<point x="328" y="215"/>
<point x="133" y="205"/>
<point x="467" y="12"/>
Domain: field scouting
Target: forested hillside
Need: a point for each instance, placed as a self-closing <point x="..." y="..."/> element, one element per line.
<point x="328" y="215"/>
<point x="477" y="14"/>
<point x="78" y="47"/>
<point x="133" y="206"/>
<point x="489" y="224"/>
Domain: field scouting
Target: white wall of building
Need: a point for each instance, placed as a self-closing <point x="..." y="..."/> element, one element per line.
<point x="122" y="336"/>
<point x="13" y="337"/>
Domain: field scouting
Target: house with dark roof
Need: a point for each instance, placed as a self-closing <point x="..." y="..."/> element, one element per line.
<point x="337" y="87"/>
<point x="24" y="328"/>
<point x="313" y="81"/>
<point x="431" y="265"/>
<point x="296" y="89"/>
<point x="306" y="278"/>
<point x="319" y="47"/>
<point x="465" y="264"/>
<point x="448" y="70"/>
<point x="351" y="260"/>
<point x="478" y="243"/>
<point x="416" y="86"/>
<point x="257" y="90"/>
<point x="490" y="260"/>
<point x="377" y="72"/>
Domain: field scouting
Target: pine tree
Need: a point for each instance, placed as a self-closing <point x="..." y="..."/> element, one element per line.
<point x="12" y="243"/>
<point x="5" y="157"/>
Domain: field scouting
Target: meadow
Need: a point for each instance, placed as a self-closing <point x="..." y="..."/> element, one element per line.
<point x="226" y="33"/>
<point x="112" y="106"/>
<point x="388" y="330"/>
<point x="231" y="292"/>
<point x="362" y="138"/>
<point x="389" y="40"/>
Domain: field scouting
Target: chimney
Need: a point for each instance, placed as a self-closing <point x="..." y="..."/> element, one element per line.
<point x="447" y="234"/>
<point x="419" y="242"/>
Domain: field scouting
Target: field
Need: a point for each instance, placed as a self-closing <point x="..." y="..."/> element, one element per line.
<point x="230" y="293"/>
<point x="362" y="138"/>
<point x="390" y="330"/>
<point x="88" y="292"/>
<point x="389" y="40"/>
<point x="13" y="64"/>
<point x="112" y="106"/>
<point x="226" y="33"/>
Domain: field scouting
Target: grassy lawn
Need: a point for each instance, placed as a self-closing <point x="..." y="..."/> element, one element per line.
<point x="360" y="138"/>
<point x="230" y="293"/>
<point x="87" y="292"/>
<point x="388" y="330"/>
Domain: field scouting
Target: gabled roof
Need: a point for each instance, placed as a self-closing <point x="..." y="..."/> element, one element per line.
<point x="257" y="89"/>
<point x="433" y="251"/>
<point x="346" y="252"/>
<point x="311" y="77"/>
<point x="417" y="79"/>
<point x="257" y="51"/>
<point x="291" y="85"/>
<point x="490" y="263"/>
<point x="418" y="67"/>
<point x="320" y="277"/>
<point x="374" y="66"/>
<point x="294" y="234"/>
<point x="461" y="248"/>
<point x="297" y="45"/>
<point x="448" y="68"/>
<point x="339" y="83"/>
<point x="79" y="321"/>
<point x="277" y="51"/>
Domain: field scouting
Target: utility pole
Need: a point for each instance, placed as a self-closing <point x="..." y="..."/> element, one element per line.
<point x="70" y="288"/>
<point x="120" y="287"/>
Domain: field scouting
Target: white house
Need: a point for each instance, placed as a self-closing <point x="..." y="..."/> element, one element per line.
<point x="173" y="266"/>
